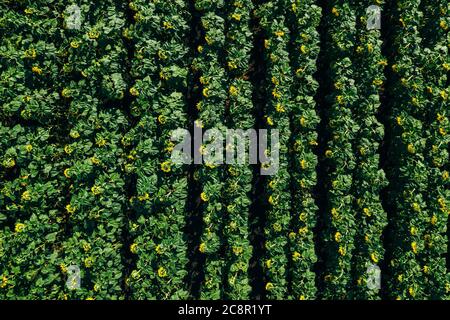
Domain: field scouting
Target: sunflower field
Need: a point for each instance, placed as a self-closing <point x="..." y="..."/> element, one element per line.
<point x="93" y="207"/>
